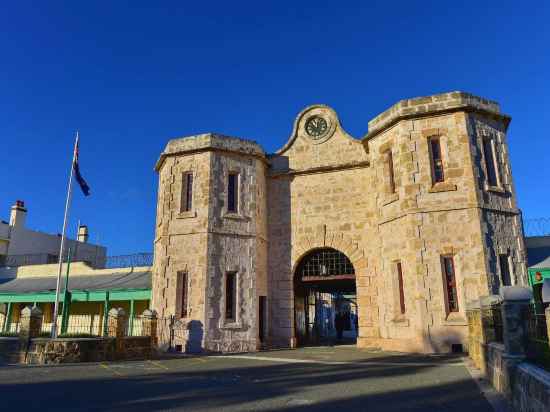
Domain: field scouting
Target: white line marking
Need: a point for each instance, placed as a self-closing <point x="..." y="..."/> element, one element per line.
<point x="322" y="362"/>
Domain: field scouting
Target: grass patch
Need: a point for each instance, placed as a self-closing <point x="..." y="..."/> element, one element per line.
<point x="9" y="334"/>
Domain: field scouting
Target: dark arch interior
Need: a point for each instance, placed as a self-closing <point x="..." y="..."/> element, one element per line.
<point x="324" y="288"/>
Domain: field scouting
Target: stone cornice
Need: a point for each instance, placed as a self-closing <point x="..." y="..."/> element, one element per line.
<point x="209" y="142"/>
<point x="438" y="104"/>
<point x="415" y="211"/>
<point x="320" y="169"/>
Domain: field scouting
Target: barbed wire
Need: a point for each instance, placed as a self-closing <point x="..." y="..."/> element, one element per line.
<point x="537" y="227"/>
<point x="98" y="262"/>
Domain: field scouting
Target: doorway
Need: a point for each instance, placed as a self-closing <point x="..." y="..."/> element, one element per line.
<point x="325" y="299"/>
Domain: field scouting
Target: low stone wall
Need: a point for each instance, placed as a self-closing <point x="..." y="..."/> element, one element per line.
<point x="524" y="385"/>
<point x="30" y="349"/>
<point x="495" y="370"/>
<point x="55" y="351"/>
<point x="531" y="389"/>
<point x="44" y="351"/>
<point x="9" y="350"/>
<point x="137" y="347"/>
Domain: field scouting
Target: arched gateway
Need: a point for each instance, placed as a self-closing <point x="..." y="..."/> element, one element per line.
<point x="324" y="285"/>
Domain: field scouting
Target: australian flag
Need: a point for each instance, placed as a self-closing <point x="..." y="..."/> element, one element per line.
<point x="82" y="183"/>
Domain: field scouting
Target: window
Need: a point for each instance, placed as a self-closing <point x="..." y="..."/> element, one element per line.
<point x="389" y="165"/>
<point x="51" y="258"/>
<point x="325" y="262"/>
<point x="490" y="163"/>
<point x="231" y="296"/>
<point x="184" y="293"/>
<point x="450" y="283"/>
<point x="261" y="315"/>
<point x="233" y="192"/>
<point x="436" y="160"/>
<point x="401" y="290"/>
<point x="186" y="204"/>
<point x="505" y="276"/>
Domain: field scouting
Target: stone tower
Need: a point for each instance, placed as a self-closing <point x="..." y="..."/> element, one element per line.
<point x="206" y="234"/>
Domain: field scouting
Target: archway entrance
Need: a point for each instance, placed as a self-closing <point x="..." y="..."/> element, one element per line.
<point x="325" y="298"/>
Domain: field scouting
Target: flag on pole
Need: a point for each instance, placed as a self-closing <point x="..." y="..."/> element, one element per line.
<point x="81" y="182"/>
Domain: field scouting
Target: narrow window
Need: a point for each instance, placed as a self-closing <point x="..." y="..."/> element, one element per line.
<point x="436" y="160"/>
<point x="184" y="296"/>
<point x="232" y="192"/>
<point x="390" y="171"/>
<point x="231" y="296"/>
<point x="490" y="164"/>
<point x="505" y="270"/>
<point x="450" y="283"/>
<point x="401" y="290"/>
<point x="262" y="314"/>
<point x="186" y="192"/>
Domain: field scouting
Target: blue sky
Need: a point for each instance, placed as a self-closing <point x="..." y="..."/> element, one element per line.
<point x="131" y="75"/>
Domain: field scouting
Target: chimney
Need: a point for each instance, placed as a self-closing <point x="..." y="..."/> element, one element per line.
<point x="18" y="214"/>
<point x="83" y="233"/>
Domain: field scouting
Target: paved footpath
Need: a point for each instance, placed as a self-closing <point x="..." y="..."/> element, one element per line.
<point x="308" y="379"/>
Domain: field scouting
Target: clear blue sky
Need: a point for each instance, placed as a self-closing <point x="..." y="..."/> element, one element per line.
<point x="130" y="75"/>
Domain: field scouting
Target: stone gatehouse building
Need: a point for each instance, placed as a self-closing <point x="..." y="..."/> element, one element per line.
<point x="412" y="221"/>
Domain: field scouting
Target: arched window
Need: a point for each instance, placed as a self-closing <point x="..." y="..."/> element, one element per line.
<point x="325" y="263"/>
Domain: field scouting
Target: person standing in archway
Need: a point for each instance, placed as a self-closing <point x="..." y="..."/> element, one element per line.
<point x="339" y="324"/>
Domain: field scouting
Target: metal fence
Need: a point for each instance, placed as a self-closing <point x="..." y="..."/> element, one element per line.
<point x="98" y="262"/>
<point x="76" y="326"/>
<point x="134" y="326"/>
<point x="538" y="348"/>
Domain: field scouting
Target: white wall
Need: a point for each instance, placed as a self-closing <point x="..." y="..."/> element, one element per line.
<point x="25" y="242"/>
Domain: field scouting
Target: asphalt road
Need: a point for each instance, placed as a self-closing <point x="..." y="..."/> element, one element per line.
<point x="307" y="379"/>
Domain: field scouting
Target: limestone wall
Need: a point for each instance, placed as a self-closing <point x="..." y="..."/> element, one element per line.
<point x="181" y="239"/>
<point x="235" y="244"/>
<point x="327" y="189"/>
<point x="502" y="224"/>
<point x="209" y="241"/>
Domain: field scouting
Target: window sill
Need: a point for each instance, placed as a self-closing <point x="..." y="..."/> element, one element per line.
<point x="455" y="319"/>
<point x="496" y="189"/>
<point x="186" y="215"/>
<point x="231" y="325"/>
<point x="390" y="198"/>
<point x="442" y="187"/>
<point x="400" y="321"/>
<point x="235" y="216"/>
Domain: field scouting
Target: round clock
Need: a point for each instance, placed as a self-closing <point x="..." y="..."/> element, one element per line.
<point x="316" y="127"/>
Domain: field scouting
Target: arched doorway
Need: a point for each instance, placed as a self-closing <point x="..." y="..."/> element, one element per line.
<point x="324" y="285"/>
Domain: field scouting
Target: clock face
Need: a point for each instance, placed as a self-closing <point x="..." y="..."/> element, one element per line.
<point x="316" y="127"/>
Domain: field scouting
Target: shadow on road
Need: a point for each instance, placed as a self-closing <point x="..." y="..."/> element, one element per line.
<point x="384" y="383"/>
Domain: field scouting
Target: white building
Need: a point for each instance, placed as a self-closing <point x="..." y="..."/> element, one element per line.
<point x="21" y="246"/>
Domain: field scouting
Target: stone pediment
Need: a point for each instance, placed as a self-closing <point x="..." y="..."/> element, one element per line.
<point x="317" y="142"/>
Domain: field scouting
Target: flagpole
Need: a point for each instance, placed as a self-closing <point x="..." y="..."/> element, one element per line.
<point x="62" y="246"/>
